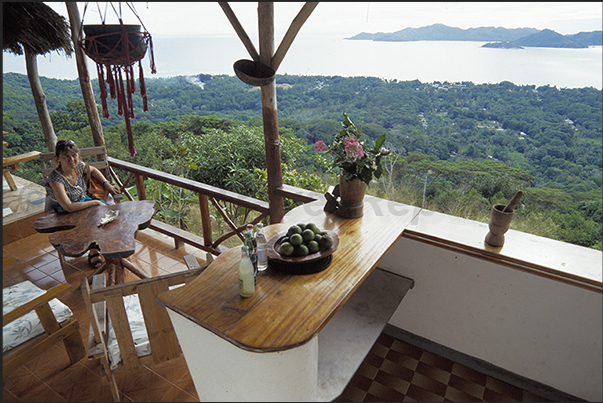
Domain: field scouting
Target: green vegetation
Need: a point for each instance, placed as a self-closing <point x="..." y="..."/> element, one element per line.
<point x="457" y="148"/>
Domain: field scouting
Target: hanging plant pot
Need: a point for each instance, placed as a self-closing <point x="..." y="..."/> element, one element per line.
<point x="254" y="73"/>
<point x="115" y="48"/>
<point x="114" y="43"/>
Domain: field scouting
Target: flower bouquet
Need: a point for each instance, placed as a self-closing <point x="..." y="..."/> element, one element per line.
<point x="350" y="154"/>
<point x="358" y="164"/>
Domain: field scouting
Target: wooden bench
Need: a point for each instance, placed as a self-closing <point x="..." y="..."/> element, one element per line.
<point x="66" y="332"/>
<point x="12" y="163"/>
<point x="95" y="156"/>
<point x="104" y="303"/>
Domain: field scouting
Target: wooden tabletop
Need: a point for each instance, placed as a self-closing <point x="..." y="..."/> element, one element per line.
<point x="74" y="233"/>
<point x="288" y="310"/>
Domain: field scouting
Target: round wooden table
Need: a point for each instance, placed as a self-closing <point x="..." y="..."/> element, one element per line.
<point x="73" y="234"/>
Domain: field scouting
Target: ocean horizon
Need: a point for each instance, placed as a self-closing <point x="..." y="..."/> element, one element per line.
<point x="310" y="55"/>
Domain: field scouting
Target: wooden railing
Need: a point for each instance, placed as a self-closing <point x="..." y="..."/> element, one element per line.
<point x="206" y="194"/>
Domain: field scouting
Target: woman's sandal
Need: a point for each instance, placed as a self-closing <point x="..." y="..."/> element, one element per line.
<point x="98" y="262"/>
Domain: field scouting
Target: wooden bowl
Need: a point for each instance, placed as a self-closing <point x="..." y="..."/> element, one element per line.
<point x="275" y="242"/>
<point x="252" y="73"/>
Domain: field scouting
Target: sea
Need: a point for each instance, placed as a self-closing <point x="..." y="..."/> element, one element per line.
<point x="426" y="61"/>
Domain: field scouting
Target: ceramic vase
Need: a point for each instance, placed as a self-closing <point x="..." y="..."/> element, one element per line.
<point x="351" y="202"/>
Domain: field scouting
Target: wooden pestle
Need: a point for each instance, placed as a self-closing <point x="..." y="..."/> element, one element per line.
<point x="513" y="202"/>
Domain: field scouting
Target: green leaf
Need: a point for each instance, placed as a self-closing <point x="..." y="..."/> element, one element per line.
<point x="379" y="142"/>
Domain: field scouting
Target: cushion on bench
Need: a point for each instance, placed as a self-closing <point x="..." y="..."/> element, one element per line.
<point x="28" y="326"/>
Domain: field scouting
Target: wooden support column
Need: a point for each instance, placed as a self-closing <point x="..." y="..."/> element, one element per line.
<point x="270" y="115"/>
<point x="84" y="76"/>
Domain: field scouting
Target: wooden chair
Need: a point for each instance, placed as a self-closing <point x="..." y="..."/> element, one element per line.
<point x="66" y="331"/>
<point x="116" y="334"/>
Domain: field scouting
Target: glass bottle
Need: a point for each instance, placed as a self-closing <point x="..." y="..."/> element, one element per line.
<point x="246" y="281"/>
<point x="252" y="249"/>
<point x="261" y="243"/>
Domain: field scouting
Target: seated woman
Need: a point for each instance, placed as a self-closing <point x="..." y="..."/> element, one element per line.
<point x="66" y="187"/>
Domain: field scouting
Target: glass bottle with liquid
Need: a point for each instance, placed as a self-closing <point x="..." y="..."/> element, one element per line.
<point x="261" y="247"/>
<point x="246" y="279"/>
<point x="250" y="242"/>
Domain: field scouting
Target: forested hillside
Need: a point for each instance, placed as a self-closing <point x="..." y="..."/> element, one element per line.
<point x="449" y="139"/>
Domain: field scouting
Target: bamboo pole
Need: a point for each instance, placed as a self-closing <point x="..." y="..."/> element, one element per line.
<point x="292" y="32"/>
<point x="270" y="115"/>
<point x="240" y="31"/>
<point x="84" y="76"/>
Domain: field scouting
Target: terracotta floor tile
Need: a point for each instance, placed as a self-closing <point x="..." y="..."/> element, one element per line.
<point x="51" y="267"/>
<point x="78" y="384"/>
<point x="172" y="370"/>
<point x="455" y="395"/>
<point x="469" y="374"/>
<point x="186" y="384"/>
<point x="23" y="250"/>
<point x="393" y="382"/>
<point x="504" y="388"/>
<point x="7" y="396"/>
<point x="466" y="386"/>
<point x="422" y="395"/>
<point x="352" y="394"/>
<point x="367" y="370"/>
<point x="47" y="282"/>
<point x="34" y="275"/>
<point x="406" y="349"/>
<point x="42" y="393"/>
<point x="20" y="381"/>
<point x="385" y="393"/>
<point x="436" y="361"/>
<point x="434" y="373"/>
<point x="175" y="394"/>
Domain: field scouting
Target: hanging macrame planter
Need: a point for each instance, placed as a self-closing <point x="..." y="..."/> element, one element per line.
<point x="115" y="48"/>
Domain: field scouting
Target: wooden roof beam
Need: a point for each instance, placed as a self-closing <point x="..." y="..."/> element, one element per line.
<point x="240" y="31"/>
<point x="287" y="40"/>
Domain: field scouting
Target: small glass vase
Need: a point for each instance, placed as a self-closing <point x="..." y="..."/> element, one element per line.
<point x="351" y="202"/>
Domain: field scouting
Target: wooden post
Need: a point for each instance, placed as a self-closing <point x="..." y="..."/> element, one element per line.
<point x="205" y="219"/>
<point x="39" y="97"/>
<point x="140" y="190"/>
<point x="270" y="114"/>
<point x="84" y="76"/>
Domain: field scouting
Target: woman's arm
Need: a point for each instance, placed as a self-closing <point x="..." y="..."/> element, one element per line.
<point x="65" y="202"/>
<point x="106" y="184"/>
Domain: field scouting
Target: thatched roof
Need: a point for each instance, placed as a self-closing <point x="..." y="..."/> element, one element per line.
<point x="36" y="26"/>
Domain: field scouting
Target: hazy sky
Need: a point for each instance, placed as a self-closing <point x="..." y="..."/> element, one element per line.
<point x="348" y="19"/>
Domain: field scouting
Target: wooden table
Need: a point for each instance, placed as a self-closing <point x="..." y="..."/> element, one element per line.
<point x="73" y="234"/>
<point x="269" y="342"/>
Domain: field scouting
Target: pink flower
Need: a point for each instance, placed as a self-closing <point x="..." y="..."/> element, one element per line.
<point x="353" y="148"/>
<point x="320" y="146"/>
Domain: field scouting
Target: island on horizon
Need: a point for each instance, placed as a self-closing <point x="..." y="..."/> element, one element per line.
<point x="497" y="37"/>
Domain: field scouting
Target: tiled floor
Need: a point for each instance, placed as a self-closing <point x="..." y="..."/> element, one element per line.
<point x="392" y="371"/>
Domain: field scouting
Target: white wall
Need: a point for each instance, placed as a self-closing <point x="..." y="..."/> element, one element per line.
<point x="533" y="326"/>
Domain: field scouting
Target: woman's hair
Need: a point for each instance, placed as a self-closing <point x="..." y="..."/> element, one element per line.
<point x="64" y="146"/>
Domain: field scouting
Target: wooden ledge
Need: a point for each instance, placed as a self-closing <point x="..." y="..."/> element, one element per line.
<point x="559" y="261"/>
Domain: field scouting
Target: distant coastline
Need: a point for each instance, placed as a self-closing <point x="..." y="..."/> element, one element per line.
<point x="503" y="38"/>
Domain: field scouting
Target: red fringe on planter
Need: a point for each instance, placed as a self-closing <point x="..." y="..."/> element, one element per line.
<point x="114" y="65"/>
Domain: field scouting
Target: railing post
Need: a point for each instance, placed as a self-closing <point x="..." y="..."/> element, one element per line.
<point x="205" y="219"/>
<point x="142" y="193"/>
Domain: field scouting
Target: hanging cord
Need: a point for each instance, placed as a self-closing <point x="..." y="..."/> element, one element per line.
<point x="118" y="15"/>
